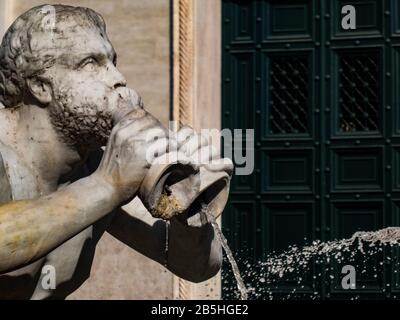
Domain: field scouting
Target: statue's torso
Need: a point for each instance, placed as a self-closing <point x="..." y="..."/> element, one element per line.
<point x="72" y="260"/>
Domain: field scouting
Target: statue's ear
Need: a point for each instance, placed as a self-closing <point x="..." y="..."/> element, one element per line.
<point x="40" y="89"/>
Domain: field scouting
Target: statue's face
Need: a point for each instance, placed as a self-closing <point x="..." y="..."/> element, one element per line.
<point x="87" y="86"/>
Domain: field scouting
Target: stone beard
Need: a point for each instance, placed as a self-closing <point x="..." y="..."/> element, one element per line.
<point x="84" y="117"/>
<point x="87" y="122"/>
<point x="82" y="125"/>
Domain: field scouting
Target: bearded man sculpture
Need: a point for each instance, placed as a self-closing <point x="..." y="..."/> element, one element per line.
<point x="64" y="99"/>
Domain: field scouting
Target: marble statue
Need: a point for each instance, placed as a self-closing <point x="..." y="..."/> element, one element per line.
<point x="73" y="142"/>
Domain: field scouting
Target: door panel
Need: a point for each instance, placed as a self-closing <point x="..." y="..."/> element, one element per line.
<point x="289" y="94"/>
<point x="324" y="105"/>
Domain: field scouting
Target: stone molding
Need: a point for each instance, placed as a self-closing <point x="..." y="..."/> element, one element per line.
<point x="196" y="94"/>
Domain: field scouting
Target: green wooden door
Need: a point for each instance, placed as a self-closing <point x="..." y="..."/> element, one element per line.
<point x="324" y="103"/>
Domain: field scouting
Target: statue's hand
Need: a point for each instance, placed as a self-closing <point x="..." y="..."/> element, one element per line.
<point x="197" y="148"/>
<point x="127" y="159"/>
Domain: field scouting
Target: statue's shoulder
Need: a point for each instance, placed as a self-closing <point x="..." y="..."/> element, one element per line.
<point x="9" y="120"/>
<point x="2" y="151"/>
<point x="2" y="164"/>
<point x="5" y="186"/>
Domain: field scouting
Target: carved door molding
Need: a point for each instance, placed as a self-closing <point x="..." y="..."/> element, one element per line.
<point x="196" y="94"/>
<point x="183" y="51"/>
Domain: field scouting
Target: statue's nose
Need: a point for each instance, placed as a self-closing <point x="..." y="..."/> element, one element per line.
<point x="121" y="83"/>
<point x="116" y="79"/>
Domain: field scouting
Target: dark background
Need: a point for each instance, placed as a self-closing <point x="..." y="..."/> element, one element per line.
<point x="324" y="103"/>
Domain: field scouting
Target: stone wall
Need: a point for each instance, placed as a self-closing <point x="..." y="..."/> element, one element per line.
<point x="139" y="31"/>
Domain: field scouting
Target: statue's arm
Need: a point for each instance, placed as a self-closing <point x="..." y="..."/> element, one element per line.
<point x="193" y="252"/>
<point x="31" y="229"/>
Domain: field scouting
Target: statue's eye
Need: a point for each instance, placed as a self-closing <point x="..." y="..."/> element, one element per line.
<point x="88" y="61"/>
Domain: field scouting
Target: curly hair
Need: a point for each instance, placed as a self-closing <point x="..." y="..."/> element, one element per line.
<point x="18" y="58"/>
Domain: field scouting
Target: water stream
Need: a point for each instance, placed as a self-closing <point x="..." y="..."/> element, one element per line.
<point x="240" y="283"/>
<point x="363" y="250"/>
<point x="295" y="257"/>
<point x="296" y="261"/>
